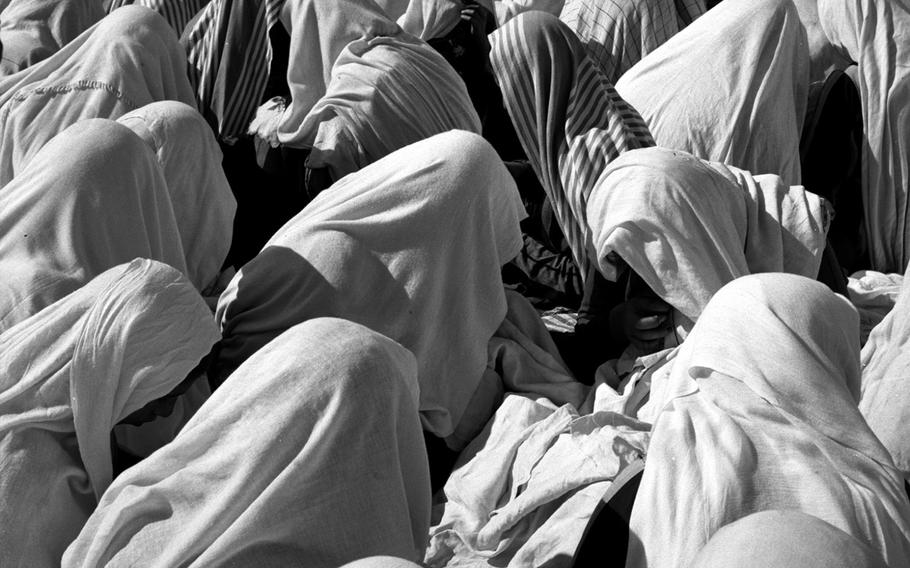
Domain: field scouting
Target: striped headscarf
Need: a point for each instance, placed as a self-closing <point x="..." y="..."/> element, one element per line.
<point x="229" y="56"/>
<point x="569" y="119"/>
<point x="178" y="13"/>
<point x="619" y="33"/>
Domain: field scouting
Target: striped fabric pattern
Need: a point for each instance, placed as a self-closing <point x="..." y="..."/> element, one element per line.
<point x="229" y="56"/>
<point x="569" y="119"/>
<point x="178" y="13"/>
<point x="619" y="33"/>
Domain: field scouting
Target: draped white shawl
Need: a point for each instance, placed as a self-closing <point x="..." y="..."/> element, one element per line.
<point x="687" y="227"/>
<point x="127" y="60"/>
<point x="761" y="414"/>
<point x="885" y="401"/>
<point x="569" y="119"/>
<point x="310" y="454"/>
<point x="383" y="98"/>
<point x="67" y="375"/>
<point x="95" y="197"/>
<point x="410" y="246"/>
<point x="876" y="35"/>
<point x="731" y="87"/>
<point x="618" y="33"/>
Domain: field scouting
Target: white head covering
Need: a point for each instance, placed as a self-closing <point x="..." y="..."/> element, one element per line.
<point x="687" y="227"/>
<point x="761" y="414"/>
<point x="71" y="372"/>
<point x="410" y="246"/>
<point x="33" y="30"/>
<point x="618" y="33"/>
<point x="129" y="59"/>
<point x="320" y="31"/>
<point x="785" y="539"/>
<point x="391" y="95"/>
<point x="95" y="197"/>
<point x="569" y="119"/>
<point x="429" y="19"/>
<point x="731" y="87"/>
<point x="874" y="35"/>
<point x="310" y="454"/>
<point x="201" y="197"/>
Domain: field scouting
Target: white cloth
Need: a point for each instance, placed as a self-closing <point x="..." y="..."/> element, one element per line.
<point x="428" y="19"/>
<point x="873" y="295"/>
<point x="320" y="31"/>
<point x="410" y="246"/>
<point x="125" y="61"/>
<point x="523" y="491"/>
<point x="785" y="539"/>
<point x="618" y="33"/>
<point x="33" y="30"/>
<point x="731" y="87"/>
<point x="874" y="35"/>
<point x="67" y="375"/>
<point x="310" y="454"/>
<point x="508" y="9"/>
<point x="380" y="99"/>
<point x="763" y="415"/>
<point x="885" y="401"/>
<point x="687" y="227"/>
<point x="94" y="197"/>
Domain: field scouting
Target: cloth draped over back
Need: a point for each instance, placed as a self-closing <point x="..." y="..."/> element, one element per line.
<point x="127" y="60"/>
<point x="885" y="401"/>
<point x="761" y="414"/>
<point x="569" y="119"/>
<point x="33" y="30"/>
<point x="687" y="227"/>
<point x="95" y="196"/>
<point x="410" y="246"/>
<point x="618" y="33"/>
<point x="67" y="375"/>
<point x="338" y="469"/>
<point x="875" y="35"/>
<point x="738" y="102"/>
